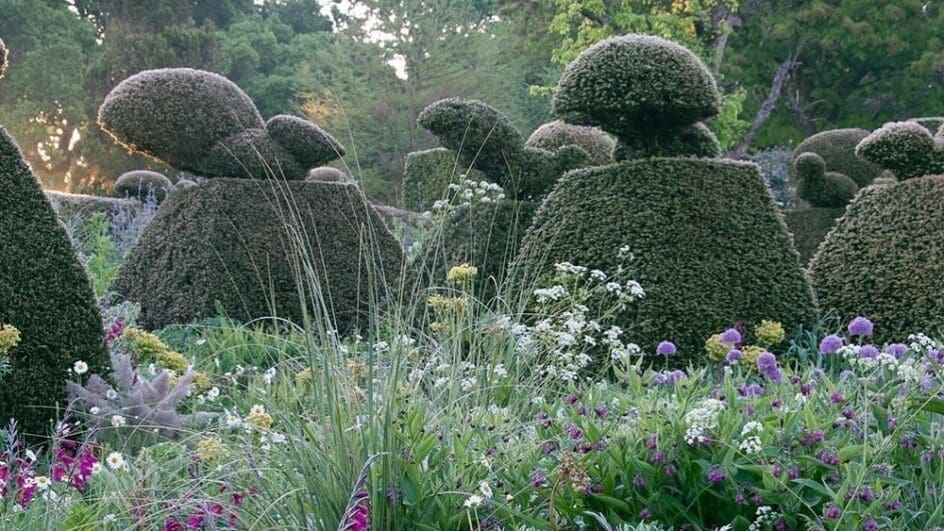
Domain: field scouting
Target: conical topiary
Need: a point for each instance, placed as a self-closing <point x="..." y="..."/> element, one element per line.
<point x="710" y="246"/>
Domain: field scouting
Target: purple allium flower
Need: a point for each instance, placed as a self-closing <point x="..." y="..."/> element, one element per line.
<point x="751" y="390"/>
<point x="601" y="411"/>
<point x="570" y="399"/>
<point x="870" y="525"/>
<point x="676" y="376"/>
<point x="574" y="432"/>
<point x="936" y="356"/>
<point x="767" y="365"/>
<point x="860" y="326"/>
<point x="897" y="349"/>
<point x="715" y="475"/>
<point x="731" y="336"/>
<point x="670" y="470"/>
<point x="830" y="344"/>
<point x="538" y="478"/>
<point x="666" y="348"/>
<point x="832" y="512"/>
<point x="659" y="379"/>
<point x="639" y="481"/>
<point x="734" y="356"/>
<point x="868" y="351"/>
<point x="645" y="513"/>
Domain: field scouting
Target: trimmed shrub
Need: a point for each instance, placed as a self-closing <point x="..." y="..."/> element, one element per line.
<point x="4" y="58"/>
<point x="326" y="174"/>
<point x="137" y="184"/>
<point x="809" y="227"/>
<point x="427" y="175"/>
<point x="45" y="293"/>
<point x="694" y="141"/>
<point x="821" y="188"/>
<point x="555" y="135"/>
<point x="931" y="123"/>
<point x="710" y="246"/>
<point x="633" y="84"/>
<point x="837" y="148"/>
<point x="184" y="184"/>
<point x="905" y="148"/>
<point x="203" y="123"/>
<point x="226" y="242"/>
<point x="66" y="205"/>
<point x="885" y="259"/>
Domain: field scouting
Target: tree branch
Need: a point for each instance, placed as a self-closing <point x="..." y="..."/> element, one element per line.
<point x="783" y="73"/>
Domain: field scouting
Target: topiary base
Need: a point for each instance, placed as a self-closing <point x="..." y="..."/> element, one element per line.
<point x="885" y="259"/>
<point x="46" y="295"/>
<point x="710" y="246"/>
<point x="235" y="242"/>
<point x="809" y="227"/>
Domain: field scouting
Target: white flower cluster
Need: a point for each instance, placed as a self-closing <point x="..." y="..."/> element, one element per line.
<point x="701" y="419"/>
<point x="921" y="343"/>
<point x="751" y="443"/>
<point x="468" y="193"/>
<point x="765" y="518"/>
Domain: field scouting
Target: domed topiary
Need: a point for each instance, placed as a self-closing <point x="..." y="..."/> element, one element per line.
<point x="46" y="295"/>
<point x="184" y="184"/>
<point x="931" y="123"/>
<point x="837" y="148"/>
<point x="326" y="174"/>
<point x="694" y="141"/>
<point x="557" y="134"/>
<point x="636" y="83"/>
<point x="4" y="53"/>
<point x="226" y="242"/>
<point x="821" y="188"/>
<point x="885" y="259"/>
<point x="139" y="183"/>
<point x="67" y="205"/>
<point x="906" y="148"/>
<point x="202" y="122"/>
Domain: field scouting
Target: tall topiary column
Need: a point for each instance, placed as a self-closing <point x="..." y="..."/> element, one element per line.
<point x="885" y="257"/>
<point x="255" y="240"/>
<point x="44" y="293"/>
<point x="710" y="246"/>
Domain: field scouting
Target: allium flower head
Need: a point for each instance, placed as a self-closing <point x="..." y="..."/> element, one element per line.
<point x="734" y="356"/>
<point x="868" y="351"/>
<point x="897" y="349"/>
<point x="715" y="475"/>
<point x="860" y="326"/>
<point x="666" y="348"/>
<point x="731" y="336"/>
<point x="830" y="344"/>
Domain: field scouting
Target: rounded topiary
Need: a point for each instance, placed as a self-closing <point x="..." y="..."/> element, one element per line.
<point x="326" y="174"/>
<point x="235" y="243"/>
<point x="885" y="259"/>
<point x="821" y="188"/>
<point x="557" y="134"/>
<point x="46" y="295"/>
<point x="905" y="148"/>
<point x="931" y="123"/>
<point x="694" y="141"/>
<point x="203" y="123"/>
<point x="184" y="184"/>
<point x="837" y="148"/>
<point x="4" y="58"/>
<point x="810" y="226"/>
<point x="67" y="205"/>
<point x="710" y="245"/>
<point x="139" y="183"/>
<point x="635" y="84"/>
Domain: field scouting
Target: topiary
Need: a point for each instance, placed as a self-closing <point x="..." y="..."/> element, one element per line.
<point x="557" y="134"/>
<point x="428" y="174"/>
<point x="837" y="148"/>
<point x="4" y="58"/>
<point x="885" y="259"/>
<point x="138" y="184"/>
<point x="184" y="184"/>
<point x="712" y="248"/>
<point x="326" y="174"/>
<point x="810" y="226"/>
<point x="46" y="295"/>
<point x="202" y="122"/>
<point x="931" y="123"/>
<point x="225" y="243"/>
<point x="709" y="242"/>
<point x="905" y="148"/>
<point x="821" y="188"/>
<point x="67" y="205"/>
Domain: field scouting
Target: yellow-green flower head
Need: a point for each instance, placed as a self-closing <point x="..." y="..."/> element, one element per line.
<point x="9" y="338"/>
<point x="210" y="449"/>
<point x="716" y="348"/>
<point x="446" y="304"/>
<point x="750" y="354"/>
<point x="150" y="348"/>
<point x="462" y="273"/>
<point x="303" y="377"/>
<point x="769" y="333"/>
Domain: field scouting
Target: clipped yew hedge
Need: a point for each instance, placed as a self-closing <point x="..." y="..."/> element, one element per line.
<point x="227" y="243"/>
<point x="46" y="295"/>
<point x="837" y="148"/>
<point x="427" y="175"/>
<point x="885" y="259"/>
<point x="810" y="226"/>
<point x="711" y="247"/>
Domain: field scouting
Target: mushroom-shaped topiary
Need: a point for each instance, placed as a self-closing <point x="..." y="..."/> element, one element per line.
<point x="202" y="122"/>
<point x="636" y="84"/>
<point x="837" y="148"/>
<point x="671" y="212"/>
<point x="139" y="183"/>
<point x="557" y="134"/>
<point x="4" y="53"/>
<point x="326" y="174"/>
<point x="906" y="148"/>
<point x="819" y="187"/>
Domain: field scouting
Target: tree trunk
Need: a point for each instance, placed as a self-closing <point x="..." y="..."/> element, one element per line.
<point x="767" y="108"/>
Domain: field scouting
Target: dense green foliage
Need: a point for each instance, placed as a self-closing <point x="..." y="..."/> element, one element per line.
<point x="906" y="148"/>
<point x="427" y="174"/>
<point x="710" y="246"/>
<point x="837" y="149"/>
<point x="45" y="294"/>
<point x="138" y="184"/>
<point x="557" y="134"/>
<point x="810" y="226"/>
<point x="821" y="188"/>
<point x="885" y="258"/>
<point x="694" y="141"/>
<point x="226" y="242"/>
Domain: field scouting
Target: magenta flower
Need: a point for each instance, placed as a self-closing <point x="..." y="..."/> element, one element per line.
<point x="860" y="326"/>
<point x="715" y="475"/>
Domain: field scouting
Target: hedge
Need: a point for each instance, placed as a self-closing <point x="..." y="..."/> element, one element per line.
<point x="45" y="293"/>
<point x="311" y="145"/>
<point x="427" y="174"/>
<point x="694" y="141"/>
<point x="226" y="242"/>
<point x="326" y="174"/>
<point x="139" y="183"/>
<point x="819" y="187"/>
<point x="557" y="134"/>
<point x="907" y="149"/>
<point x="885" y="259"/>
<point x="931" y="123"/>
<point x="810" y="226"/>
<point x="711" y="247"/>
<point x="837" y="148"/>
<point x="66" y="205"/>
<point x="634" y="84"/>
